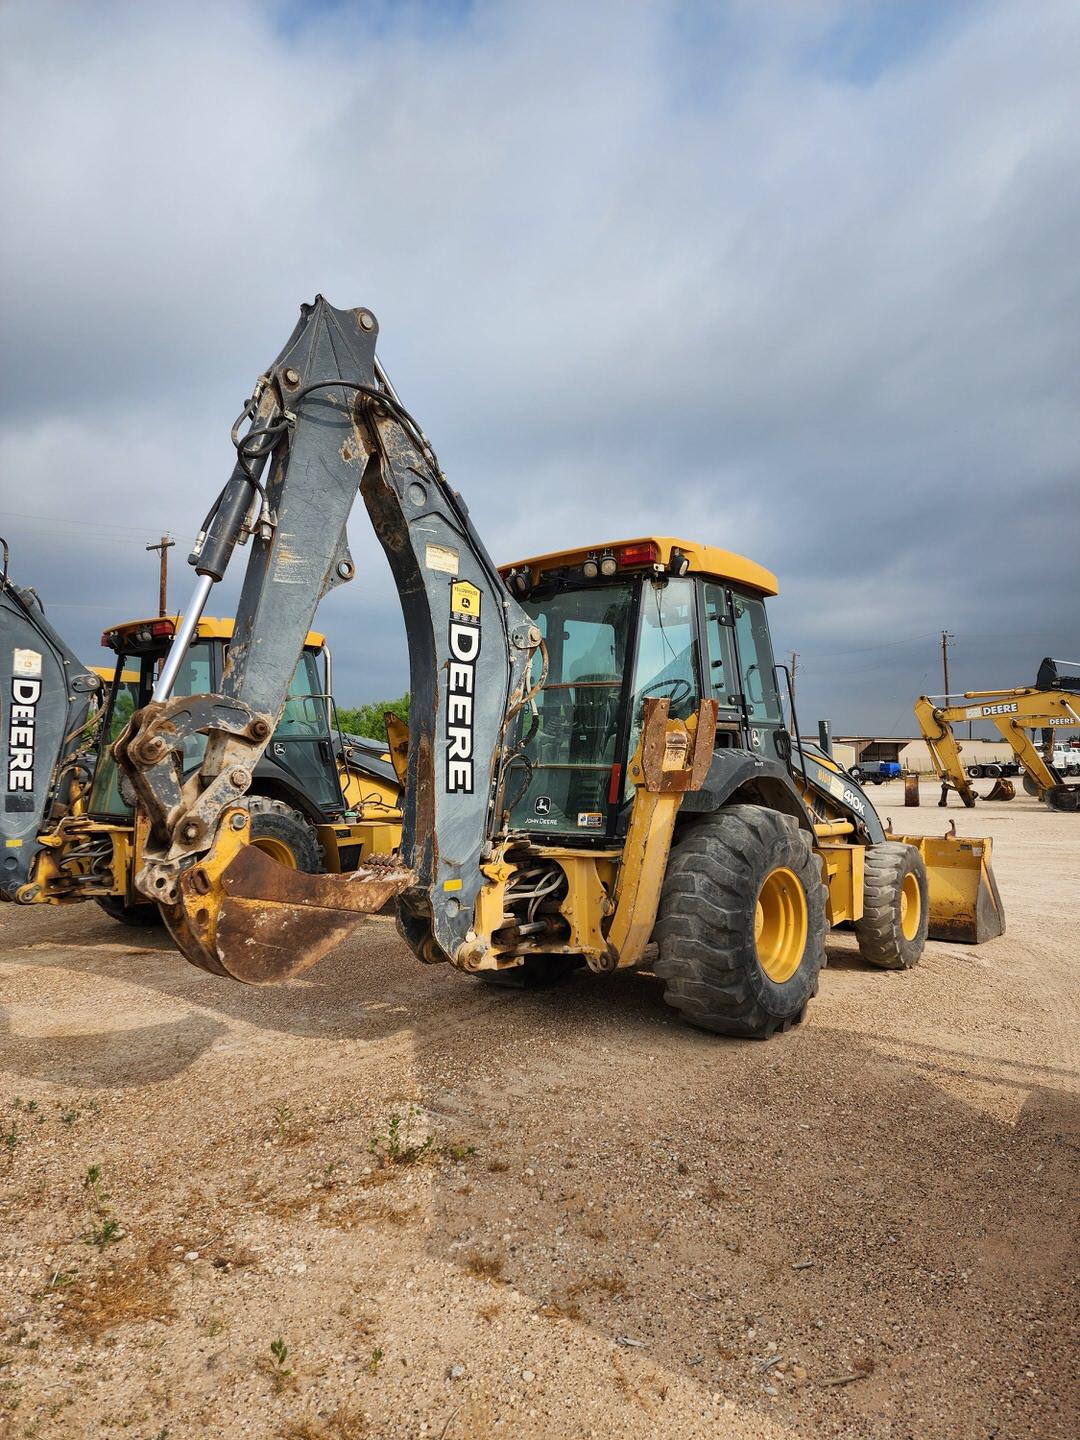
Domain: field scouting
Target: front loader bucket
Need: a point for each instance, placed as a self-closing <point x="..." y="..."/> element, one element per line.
<point x="965" y="904"/>
<point x="244" y="915"/>
<point x="1001" y="789"/>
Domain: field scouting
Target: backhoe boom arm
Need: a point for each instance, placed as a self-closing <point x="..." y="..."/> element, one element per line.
<point x="326" y="422"/>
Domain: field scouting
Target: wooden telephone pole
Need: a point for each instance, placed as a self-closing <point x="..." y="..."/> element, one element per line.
<point x="163" y="546"/>
<point x="946" y="641"/>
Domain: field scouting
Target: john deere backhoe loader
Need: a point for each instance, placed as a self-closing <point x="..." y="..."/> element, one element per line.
<point x="596" y="756"/>
<point x="317" y="801"/>
<point x="1052" y="704"/>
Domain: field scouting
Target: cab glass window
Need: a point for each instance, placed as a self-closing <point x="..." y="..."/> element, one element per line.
<point x="305" y="712"/>
<point x="755" y="660"/>
<point x="133" y="690"/>
<point x="565" y="785"/>
<point x="721" y="681"/>
<point x="667" y="658"/>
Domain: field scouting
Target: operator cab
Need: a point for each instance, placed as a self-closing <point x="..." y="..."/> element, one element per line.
<point x="622" y="622"/>
<point x="300" y="754"/>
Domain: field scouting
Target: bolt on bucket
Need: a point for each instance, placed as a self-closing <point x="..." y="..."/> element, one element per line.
<point x="965" y="903"/>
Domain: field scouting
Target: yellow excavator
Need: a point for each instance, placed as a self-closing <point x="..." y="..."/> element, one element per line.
<point x="597" y="770"/>
<point x="1051" y="705"/>
<point x="318" y="800"/>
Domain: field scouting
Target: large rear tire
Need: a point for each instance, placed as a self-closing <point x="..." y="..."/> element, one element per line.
<point x="741" y="927"/>
<point x="896" y="907"/>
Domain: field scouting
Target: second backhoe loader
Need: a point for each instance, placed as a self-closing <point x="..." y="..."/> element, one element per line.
<point x="318" y="800"/>
<point x="598" y="769"/>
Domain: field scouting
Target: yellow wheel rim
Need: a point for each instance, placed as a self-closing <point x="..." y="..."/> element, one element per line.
<point x="781" y="924"/>
<point x="910" y="907"/>
<point x="277" y="850"/>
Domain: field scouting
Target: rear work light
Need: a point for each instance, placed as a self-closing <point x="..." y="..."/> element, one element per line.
<point x="644" y="554"/>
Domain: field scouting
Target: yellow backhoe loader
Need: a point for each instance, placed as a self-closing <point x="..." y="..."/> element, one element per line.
<point x="318" y="800"/>
<point x="1051" y="705"/>
<point x="598" y="768"/>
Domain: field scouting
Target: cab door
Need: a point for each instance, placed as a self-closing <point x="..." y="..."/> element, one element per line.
<point x="754" y="675"/>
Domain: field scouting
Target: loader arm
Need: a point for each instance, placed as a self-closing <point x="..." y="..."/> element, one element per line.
<point x="324" y="423"/>
<point x="1012" y="713"/>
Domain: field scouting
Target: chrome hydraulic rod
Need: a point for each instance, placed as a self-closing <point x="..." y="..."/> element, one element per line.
<point x="182" y="639"/>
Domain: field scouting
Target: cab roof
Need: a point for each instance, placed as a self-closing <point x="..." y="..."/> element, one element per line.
<point x="209" y="628"/>
<point x="704" y="560"/>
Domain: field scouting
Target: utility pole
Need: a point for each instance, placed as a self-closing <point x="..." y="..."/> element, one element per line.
<point x="946" y="641"/>
<point x="163" y="546"/>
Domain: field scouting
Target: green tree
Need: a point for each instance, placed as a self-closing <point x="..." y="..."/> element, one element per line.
<point x="368" y="719"/>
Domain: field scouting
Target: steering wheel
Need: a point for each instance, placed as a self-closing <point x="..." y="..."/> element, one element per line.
<point x="680" y="690"/>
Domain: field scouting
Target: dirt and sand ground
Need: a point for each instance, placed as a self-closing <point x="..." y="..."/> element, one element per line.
<point x="213" y="1225"/>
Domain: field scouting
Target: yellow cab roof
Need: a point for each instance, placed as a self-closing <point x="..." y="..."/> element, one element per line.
<point x="209" y="628"/>
<point x="106" y="672"/>
<point x="704" y="560"/>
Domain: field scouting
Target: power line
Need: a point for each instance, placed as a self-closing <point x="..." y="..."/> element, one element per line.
<point x="86" y="524"/>
<point x="864" y="649"/>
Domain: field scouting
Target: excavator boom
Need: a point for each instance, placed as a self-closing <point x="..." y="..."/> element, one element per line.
<point x="1012" y="713"/>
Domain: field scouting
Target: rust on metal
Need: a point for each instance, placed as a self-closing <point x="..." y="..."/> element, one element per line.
<point x="1001" y="789"/>
<point x="675" y="758"/>
<point x="274" y="922"/>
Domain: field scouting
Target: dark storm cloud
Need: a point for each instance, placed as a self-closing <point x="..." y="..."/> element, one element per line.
<point x="799" y="280"/>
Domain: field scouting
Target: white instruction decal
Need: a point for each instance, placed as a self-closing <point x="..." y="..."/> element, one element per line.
<point x="441" y="557"/>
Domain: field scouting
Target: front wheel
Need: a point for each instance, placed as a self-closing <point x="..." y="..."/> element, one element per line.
<point x="741" y="927"/>
<point x="282" y="833"/>
<point x="896" y="909"/>
<point x="139" y="915"/>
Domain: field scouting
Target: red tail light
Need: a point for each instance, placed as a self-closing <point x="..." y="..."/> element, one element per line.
<point x="644" y="554"/>
<point x="162" y="629"/>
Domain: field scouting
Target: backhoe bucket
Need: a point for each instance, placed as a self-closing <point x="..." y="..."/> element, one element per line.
<point x="244" y="915"/>
<point x="1001" y="789"/>
<point x="965" y="905"/>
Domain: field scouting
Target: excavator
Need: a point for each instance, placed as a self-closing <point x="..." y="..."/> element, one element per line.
<point x="597" y="771"/>
<point x="318" y="800"/>
<point x="1051" y="705"/>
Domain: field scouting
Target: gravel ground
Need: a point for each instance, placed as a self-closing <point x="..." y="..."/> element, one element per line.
<point x="585" y="1220"/>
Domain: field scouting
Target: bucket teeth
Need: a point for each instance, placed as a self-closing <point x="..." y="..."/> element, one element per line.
<point x="262" y="922"/>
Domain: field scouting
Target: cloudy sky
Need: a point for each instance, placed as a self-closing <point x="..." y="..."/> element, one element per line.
<point x="797" y="279"/>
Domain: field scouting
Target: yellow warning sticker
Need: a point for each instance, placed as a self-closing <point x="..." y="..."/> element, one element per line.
<point x="465" y="599"/>
<point x="451" y="884"/>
